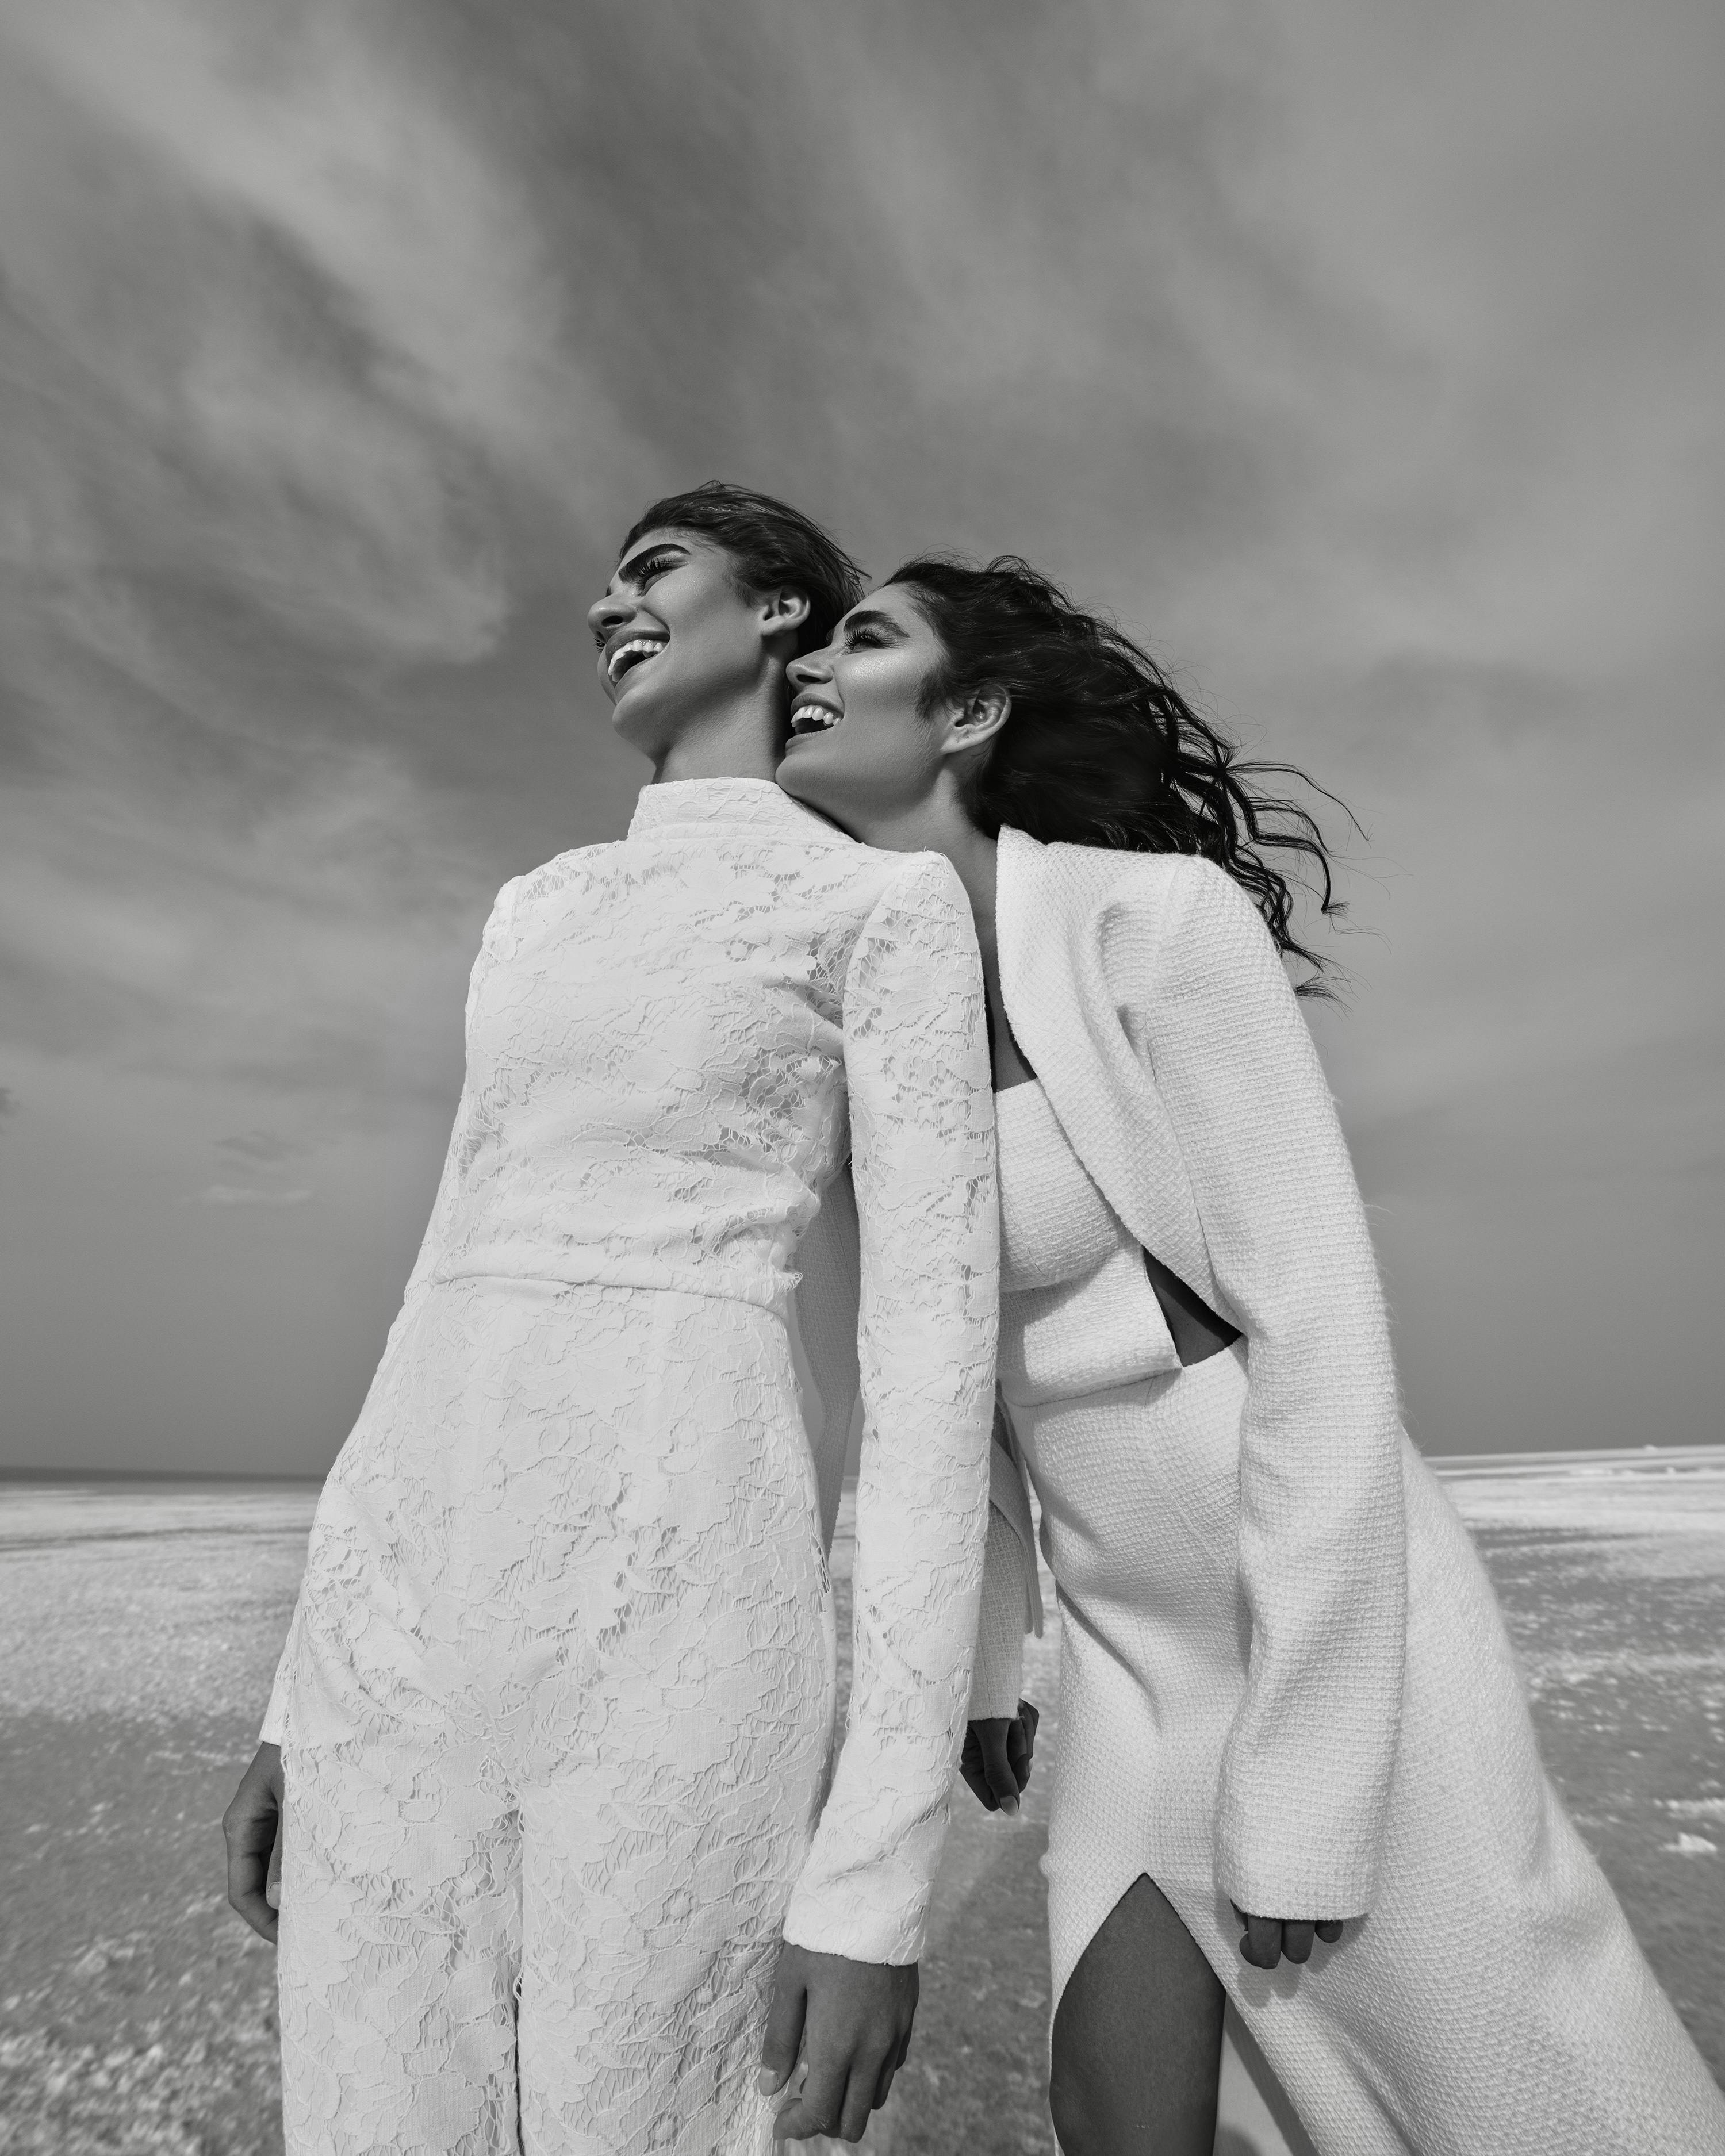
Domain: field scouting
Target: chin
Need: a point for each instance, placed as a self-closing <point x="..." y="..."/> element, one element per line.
<point x="647" y="727"/>
<point x="805" y="786"/>
<point x="796" y="779"/>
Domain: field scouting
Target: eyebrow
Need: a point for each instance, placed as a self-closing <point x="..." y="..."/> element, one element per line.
<point x="626" y="571"/>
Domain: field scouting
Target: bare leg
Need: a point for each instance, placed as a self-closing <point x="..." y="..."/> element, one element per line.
<point x="1137" y="2039"/>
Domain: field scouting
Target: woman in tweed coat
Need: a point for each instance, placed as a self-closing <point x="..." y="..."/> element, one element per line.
<point x="1295" y="1766"/>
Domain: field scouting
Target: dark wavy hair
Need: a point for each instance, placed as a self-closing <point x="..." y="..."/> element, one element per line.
<point x="770" y="544"/>
<point x="1101" y="748"/>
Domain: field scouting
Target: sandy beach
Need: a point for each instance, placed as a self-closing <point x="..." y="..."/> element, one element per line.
<point x="141" y="1622"/>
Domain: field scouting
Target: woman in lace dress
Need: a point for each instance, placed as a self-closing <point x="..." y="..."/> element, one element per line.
<point x="556" y="1710"/>
<point x="1295" y="1768"/>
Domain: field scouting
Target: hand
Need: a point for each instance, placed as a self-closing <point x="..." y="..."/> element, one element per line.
<point x="996" y="1761"/>
<point x="252" y="1825"/>
<point x="1266" y="1939"/>
<point x="853" y="2020"/>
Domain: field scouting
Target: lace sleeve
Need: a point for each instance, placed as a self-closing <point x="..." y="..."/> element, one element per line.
<point x="921" y="1113"/>
<point x="443" y="1209"/>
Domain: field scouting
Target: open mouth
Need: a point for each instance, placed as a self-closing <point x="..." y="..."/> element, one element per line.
<point x="813" y="719"/>
<point x="635" y="653"/>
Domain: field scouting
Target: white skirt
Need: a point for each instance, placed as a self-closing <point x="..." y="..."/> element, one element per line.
<point x="1494" y="2002"/>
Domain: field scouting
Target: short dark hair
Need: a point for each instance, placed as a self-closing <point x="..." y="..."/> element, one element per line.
<point x="769" y="543"/>
<point x="1099" y="747"/>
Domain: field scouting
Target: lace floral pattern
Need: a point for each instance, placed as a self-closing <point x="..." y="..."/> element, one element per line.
<point x="556" y="1706"/>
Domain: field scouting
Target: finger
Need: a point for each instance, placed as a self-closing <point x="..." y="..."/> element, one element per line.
<point x="1330" y="1931"/>
<point x="272" y="1877"/>
<point x="1029" y="1715"/>
<point x="860" y="2099"/>
<point x="783" y="2037"/>
<point x="1297" y="1941"/>
<point x="1261" y="1945"/>
<point x="895" y="2059"/>
<point x="1002" y="1780"/>
<point x="248" y="1828"/>
<point x="971" y="1769"/>
<point x="794" y="2123"/>
<point x="1018" y="1753"/>
<point x="246" y="1895"/>
<point x="818" y="2109"/>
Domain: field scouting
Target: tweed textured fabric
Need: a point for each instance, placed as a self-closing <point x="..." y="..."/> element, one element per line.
<point x="556" y="1705"/>
<point x="1491" y="2000"/>
<point x="1150" y="1001"/>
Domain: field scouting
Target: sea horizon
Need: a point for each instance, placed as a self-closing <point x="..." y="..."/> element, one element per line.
<point x="1617" y="1459"/>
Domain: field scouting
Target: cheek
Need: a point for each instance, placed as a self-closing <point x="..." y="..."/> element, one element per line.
<point x="704" y="640"/>
<point x="894" y="746"/>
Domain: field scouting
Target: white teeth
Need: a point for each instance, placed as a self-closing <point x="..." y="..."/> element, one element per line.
<point x="812" y="719"/>
<point x="647" y="646"/>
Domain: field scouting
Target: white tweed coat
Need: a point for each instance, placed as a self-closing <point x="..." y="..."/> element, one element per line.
<point x="1348" y="1713"/>
<point x="1150" y="1000"/>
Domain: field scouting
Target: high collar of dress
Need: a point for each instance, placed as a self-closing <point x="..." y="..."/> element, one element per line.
<point x="754" y="803"/>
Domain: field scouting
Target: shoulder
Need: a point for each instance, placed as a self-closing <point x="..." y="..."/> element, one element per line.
<point x="1160" y="927"/>
<point x="554" y="876"/>
<point x="926" y="879"/>
<point x="915" y="924"/>
<point x="543" y="889"/>
<point x="892" y="886"/>
<point x="1106" y="889"/>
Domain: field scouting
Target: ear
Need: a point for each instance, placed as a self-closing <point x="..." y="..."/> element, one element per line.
<point x="782" y="612"/>
<point x="977" y="719"/>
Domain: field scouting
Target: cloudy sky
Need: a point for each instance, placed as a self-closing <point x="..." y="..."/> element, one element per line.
<point x="1365" y="358"/>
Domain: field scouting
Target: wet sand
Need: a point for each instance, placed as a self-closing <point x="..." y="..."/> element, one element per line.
<point x="141" y="1625"/>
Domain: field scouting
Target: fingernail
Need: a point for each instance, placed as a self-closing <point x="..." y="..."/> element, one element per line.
<point x="767" y="2081"/>
<point x="1010" y="1805"/>
<point x="272" y="1893"/>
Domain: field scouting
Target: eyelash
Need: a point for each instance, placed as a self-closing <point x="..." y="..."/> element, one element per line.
<point x="861" y="639"/>
<point x="655" y="565"/>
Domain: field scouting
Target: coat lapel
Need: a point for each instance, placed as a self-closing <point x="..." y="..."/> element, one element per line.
<point x="1071" y="922"/>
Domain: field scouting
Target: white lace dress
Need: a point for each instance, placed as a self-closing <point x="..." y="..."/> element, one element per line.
<point x="556" y="1707"/>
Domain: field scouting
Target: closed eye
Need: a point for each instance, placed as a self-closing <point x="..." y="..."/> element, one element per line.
<point x="642" y="573"/>
<point x="872" y="627"/>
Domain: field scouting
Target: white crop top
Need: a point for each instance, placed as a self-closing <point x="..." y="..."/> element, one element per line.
<point x="1077" y="1311"/>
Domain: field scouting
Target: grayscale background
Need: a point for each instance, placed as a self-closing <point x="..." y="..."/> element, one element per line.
<point x="1365" y="359"/>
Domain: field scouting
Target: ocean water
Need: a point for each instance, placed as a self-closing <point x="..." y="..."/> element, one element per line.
<point x="139" y="1629"/>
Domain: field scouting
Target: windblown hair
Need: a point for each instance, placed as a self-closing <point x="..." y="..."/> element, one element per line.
<point x="1101" y="748"/>
<point x="770" y="544"/>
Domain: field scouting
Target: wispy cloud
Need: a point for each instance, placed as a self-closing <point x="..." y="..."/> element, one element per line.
<point x="291" y="327"/>
<point x="1364" y="364"/>
<point x="265" y="1148"/>
<point x="235" y="1193"/>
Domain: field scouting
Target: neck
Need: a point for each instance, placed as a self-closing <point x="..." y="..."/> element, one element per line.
<point x="940" y="826"/>
<point x="740" y="737"/>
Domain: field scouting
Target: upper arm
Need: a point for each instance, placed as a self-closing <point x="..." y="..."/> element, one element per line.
<point x="916" y="1047"/>
<point x="1236" y="1069"/>
<point x="922" y="1149"/>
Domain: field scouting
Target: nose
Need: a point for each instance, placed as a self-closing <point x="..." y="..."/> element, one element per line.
<point x="811" y="668"/>
<point x="608" y="613"/>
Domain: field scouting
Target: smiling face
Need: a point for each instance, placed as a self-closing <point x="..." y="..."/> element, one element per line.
<point x="677" y="638"/>
<point x="861" y="750"/>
